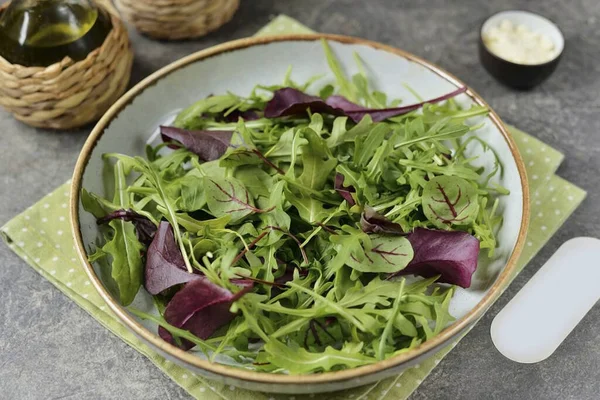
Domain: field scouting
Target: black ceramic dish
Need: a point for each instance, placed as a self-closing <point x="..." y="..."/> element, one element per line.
<point x="521" y="76"/>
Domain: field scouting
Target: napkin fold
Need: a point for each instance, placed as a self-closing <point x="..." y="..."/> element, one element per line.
<point x="41" y="236"/>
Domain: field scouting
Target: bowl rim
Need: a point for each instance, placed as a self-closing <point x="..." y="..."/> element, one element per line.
<point x="267" y="378"/>
<point x="524" y="66"/>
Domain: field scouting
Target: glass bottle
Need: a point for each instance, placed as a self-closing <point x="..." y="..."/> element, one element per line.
<point x="43" y="32"/>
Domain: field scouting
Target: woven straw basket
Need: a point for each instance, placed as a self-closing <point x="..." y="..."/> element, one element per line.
<point x="69" y="94"/>
<point x="177" y="19"/>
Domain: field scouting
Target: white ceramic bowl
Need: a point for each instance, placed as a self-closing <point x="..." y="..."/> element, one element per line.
<point x="238" y="66"/>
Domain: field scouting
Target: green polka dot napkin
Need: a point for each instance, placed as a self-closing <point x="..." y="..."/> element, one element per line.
<point x="41" y="236"/>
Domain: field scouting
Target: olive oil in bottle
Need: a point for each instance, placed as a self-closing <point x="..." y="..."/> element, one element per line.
<point x="43" y="32"/>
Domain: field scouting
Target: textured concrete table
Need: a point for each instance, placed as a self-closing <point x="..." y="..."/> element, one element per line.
<point x="50" y="349"/>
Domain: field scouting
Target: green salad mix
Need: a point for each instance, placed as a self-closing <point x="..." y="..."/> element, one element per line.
<point x="294" y="233"/>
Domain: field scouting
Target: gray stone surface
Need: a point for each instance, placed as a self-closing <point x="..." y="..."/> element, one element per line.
<point x="51" y="349"/>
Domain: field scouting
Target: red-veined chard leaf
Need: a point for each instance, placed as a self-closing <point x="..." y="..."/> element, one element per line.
<point x="208" y="145"/>
<point x="449" y="200"/>
<point x="386" y="253"/>
<point x="144" y="228"/>
<point x="165" y="266"/>
<point x="257" y="181"/>
<point x="201" y="307"/>
<point x="229" y="196"/>
<point x="372" y="222"/>
<point x="290" y="101"/>
<point x="450" y="254"/>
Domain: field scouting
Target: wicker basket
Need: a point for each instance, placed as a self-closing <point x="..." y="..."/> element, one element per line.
<point x="69" y="94"/>
<point x="177" y="19"/>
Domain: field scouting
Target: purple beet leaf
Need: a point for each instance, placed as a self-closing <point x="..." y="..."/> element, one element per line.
<point x="165" y="266"/>
<point x="451" y="254"/>
<point x="357" y="112"/>
<point x="372" y="222"/>
<point x="289" y="101"/>
<point x="144" y="228"/>
<point x="209" y="145"/>
<point x="248" y="115"/>
<point x="344" y="191"/>
<point x="201" y="307"/>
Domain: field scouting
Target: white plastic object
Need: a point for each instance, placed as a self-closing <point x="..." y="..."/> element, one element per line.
<point x="537" y="320"/>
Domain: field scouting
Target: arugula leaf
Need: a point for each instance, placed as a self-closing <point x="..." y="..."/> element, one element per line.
<point x="361" y="82"/>
<point x="366" y="145"/>
<point x="296" y="360"/>
<point x="310" y="209"/>
<point x="317" y="161"/>
<point x="376" y="292"/>
<point x="346" y="88"/>
<point x="390" y="323"/>
<point x="211" y="104"/>
<point x="276" y="216"/>
<point x="94" y="205"/>
<point x="196" y="226"/>
<point x="126" y="266"/>
<point x="442" y="315"/>
<point x="124" y="248"/>
<point x="449" y="132"/>
<point x="338" y="131"/>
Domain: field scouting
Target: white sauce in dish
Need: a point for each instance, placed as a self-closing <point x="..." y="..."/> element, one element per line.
<point x="518" y="44"/>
